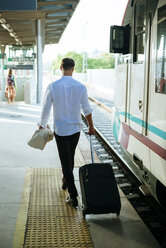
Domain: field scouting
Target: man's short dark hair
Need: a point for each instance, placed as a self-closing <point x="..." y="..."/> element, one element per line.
<point x="67" y="63"/>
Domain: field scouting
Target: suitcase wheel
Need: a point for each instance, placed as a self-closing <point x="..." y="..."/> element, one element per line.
<point x="83" y="213"/>
<point x="118" y="213"/>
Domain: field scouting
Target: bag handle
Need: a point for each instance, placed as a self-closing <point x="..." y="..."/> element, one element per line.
<point x="91" y="150"/>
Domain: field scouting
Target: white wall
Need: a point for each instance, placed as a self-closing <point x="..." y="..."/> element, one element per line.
<point x="101" y="77"/>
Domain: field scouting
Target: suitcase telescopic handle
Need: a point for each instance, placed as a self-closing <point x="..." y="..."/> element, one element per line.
<point x="91" y="150"/>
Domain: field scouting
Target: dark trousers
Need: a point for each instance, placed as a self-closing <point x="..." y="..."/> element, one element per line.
<point x="66" y="148"/>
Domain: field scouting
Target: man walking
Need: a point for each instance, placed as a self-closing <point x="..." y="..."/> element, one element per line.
<point x="67" y="96"/>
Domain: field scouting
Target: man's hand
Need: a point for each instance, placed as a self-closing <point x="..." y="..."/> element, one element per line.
<point x="40" y="127"/>
<point x="90" y="124"/>
<point x="91" y="131"/>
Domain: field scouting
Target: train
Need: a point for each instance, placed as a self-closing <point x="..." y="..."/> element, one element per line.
<point x="139" y="114"/>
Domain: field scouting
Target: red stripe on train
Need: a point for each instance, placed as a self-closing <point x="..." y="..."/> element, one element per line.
<point x="127" y="131"/>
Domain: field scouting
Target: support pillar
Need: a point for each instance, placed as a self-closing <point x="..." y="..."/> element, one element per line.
<point x="39" y="61"/>
<point x="3" y="83"/>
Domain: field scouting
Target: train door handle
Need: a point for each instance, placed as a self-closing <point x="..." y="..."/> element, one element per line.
<point x="140" y="105"/>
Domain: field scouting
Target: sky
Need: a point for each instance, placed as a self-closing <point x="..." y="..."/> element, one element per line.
<point x="89" y="28"/>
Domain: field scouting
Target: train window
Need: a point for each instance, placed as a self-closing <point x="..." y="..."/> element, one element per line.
<point x="160" y="86"/>
<point x="139" y="36"/>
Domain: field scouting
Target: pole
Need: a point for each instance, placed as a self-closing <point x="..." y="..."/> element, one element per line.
<point x="39" y="61"/>
<point x="2" y="68"/>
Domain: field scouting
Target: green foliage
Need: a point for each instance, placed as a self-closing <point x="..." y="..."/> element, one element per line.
<point x="78" y="60"/>
<point x="76" y="56"/>
<point x="104" y="61"/>
<point x="56" y="64"/>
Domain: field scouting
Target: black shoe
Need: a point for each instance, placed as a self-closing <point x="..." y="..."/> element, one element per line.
<point x="64" y="186"/>
<point x="72" y="201"/>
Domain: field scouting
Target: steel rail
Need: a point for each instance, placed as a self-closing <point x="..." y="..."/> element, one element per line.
<point x="100" y="104"/>
<point x="150" y="211"/>
<point x="124" y="165"/>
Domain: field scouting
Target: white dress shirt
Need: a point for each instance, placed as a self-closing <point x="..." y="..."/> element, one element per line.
<point x="68" y="96"/>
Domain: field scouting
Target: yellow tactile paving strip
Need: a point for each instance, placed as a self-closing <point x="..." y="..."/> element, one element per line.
<point x="50" y="221"/>
<point x="79" y="160"/>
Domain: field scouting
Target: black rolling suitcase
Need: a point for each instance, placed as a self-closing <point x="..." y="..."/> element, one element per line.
<point x="99" y="189"/>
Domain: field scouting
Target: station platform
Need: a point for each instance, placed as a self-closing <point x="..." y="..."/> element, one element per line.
<point x="33" y="211"/>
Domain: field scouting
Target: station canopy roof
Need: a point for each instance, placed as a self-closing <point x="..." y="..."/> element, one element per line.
<point x="19" y="27"/>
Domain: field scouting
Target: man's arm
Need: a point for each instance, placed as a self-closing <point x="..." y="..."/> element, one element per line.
<point x="46" y="109"/>
<point x="90" y="124"/>
<point x="87" y="112"/>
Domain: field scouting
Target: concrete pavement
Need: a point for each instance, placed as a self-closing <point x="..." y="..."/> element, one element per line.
<point x="17" y="124"/>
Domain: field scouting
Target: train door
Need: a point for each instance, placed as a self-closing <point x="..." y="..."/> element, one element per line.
<point x="136" y="93"/>
<point x="156" y="129"/>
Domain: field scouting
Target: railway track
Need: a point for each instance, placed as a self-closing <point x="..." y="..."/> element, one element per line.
<point x="109" y="151"/>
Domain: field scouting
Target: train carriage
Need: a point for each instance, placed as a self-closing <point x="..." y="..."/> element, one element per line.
<point x="139" y="116"/>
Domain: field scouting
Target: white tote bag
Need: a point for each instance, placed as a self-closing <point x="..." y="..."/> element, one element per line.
<point x="40" y="138"/>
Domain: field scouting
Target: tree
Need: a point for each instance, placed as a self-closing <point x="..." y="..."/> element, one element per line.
<point x="103" y="61"/>
<point x="56" y="64"/>
<point x="78" y="60"/>
<point x="76" y="56"/>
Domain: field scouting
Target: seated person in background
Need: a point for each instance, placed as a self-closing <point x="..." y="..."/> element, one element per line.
<point x="162" y="84"/>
